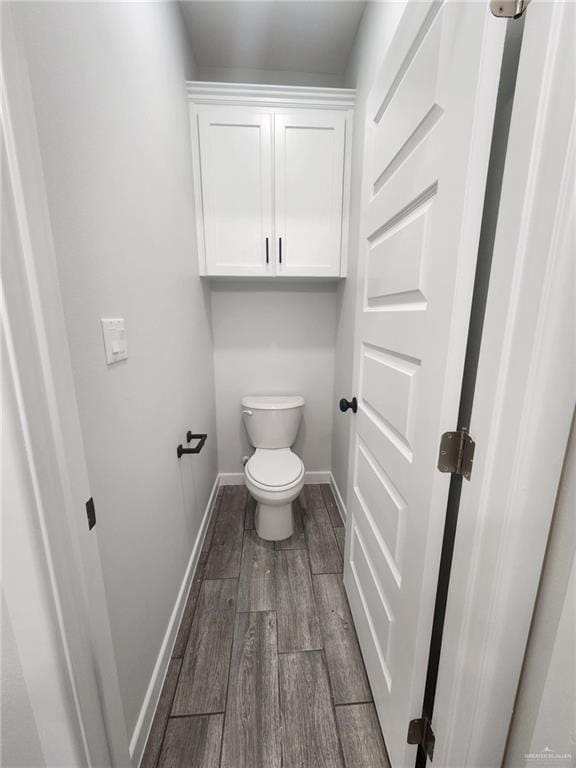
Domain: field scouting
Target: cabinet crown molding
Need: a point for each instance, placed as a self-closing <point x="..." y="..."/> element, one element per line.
<point x="204" y="92"/>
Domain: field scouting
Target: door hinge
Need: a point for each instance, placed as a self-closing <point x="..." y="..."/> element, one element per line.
<point x="508" y="9"/>
<point x="420" y="732"/>
<point x="456" y="453"/>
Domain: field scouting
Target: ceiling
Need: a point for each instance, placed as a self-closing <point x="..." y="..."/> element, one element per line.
<point x="296" y="35"/>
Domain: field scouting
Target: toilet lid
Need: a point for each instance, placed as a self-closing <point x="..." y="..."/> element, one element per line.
<point x="274" y="467"/>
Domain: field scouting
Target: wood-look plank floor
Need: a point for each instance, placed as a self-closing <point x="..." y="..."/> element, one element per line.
<point x="226" y="547"/>
<point x="266" y="670"/>
<point x="252" y="730"/>
<point x="192" y="741"/>
<point x="204" y="673"/>
<point x="361" y="738"/>
<point x="298" y="625"/>
<point x="310" y="738"/>
<point x="343" y="657"/>
<point x="256" y="591"/>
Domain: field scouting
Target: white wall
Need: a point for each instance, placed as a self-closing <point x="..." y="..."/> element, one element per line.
<point x="274" y="339"/>
<point x="268" y="77"/>
<point x="545" y="709"/>
<point x="108" y="87"/>
<point x="374" y="35"/>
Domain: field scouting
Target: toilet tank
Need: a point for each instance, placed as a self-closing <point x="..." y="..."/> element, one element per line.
<point x="272" y="422"/>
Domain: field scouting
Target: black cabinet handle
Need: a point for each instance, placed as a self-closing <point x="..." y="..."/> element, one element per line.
<point x="346" y="404"/>
<point x="267" y="252"/>
<point x="180" y="451"/>
<point x="280" y="249"/>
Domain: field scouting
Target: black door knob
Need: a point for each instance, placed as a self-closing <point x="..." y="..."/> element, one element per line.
<point x="345" y="404"/>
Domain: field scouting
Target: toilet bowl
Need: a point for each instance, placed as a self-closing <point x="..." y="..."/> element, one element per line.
<point x="274" y="478"/>
<point x="274" y="475"/>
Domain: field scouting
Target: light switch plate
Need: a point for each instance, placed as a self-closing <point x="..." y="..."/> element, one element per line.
<point x="115" y="341"/>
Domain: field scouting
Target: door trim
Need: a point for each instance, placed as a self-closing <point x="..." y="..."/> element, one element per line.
<point x="501" y="132"/>
<point x="42" y="372"/>
<point x="523" y="408"/>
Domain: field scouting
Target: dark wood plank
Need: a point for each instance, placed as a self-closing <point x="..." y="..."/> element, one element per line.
<point x="226" y="550"/>
<point x="312" y="497"/>
<point x="188" y="615"/>
<point x="156" y="735"/>
<point x="309" y="735"/>
<point x="331" y="506"/>
<point x="252" y="730"/>
<point x="298" y="626"/>
<point x="256" y="591"/>
<point x="204" y="674"/>
<point x="345" y="665"/>
<point x="193" y="742"/>
<point x="361" y="737"/>
<point x="210" y="532"/>
<point x="323" y="550"/>
<point x="297" y="540"/>
<point x="340" y="534"/>
<point x="249" y="522"/>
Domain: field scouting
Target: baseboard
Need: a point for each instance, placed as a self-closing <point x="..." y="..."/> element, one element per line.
<point x="338" y="497"/>
<point x="237" y="478"/>
<point x="148" y="709"/>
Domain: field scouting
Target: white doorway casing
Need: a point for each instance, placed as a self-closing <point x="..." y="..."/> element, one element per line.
<point x="50" y="442"/>
<point x="524" y="401"/>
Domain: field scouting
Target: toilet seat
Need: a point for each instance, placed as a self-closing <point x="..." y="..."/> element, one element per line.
<point x="274" y="469"/>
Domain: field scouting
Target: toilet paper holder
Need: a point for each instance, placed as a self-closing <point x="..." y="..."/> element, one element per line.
<point x="180" y="451"/>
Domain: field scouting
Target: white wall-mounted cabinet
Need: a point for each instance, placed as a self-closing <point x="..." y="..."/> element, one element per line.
<point x="271" y="172"/>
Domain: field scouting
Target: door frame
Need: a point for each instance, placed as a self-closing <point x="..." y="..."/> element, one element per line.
<point x="40" y="370"/>
<point x="523" y="407"/>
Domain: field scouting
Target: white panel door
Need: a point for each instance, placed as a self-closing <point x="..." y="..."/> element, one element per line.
<point x="309" y="165"/>
<point x="236" y="189"/>
<point x="428" y="131"/>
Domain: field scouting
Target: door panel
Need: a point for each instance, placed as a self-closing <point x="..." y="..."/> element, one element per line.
<point x="236" y="188"/>
<point x="428" y="132"/>
<point x="309" y="151"/>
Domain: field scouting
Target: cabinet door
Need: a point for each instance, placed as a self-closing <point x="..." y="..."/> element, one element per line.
<point x="236" y="187"/>
<point x="309" y="163"/>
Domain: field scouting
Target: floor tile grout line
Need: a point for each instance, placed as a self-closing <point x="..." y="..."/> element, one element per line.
<point x="195" y="714"/>
<point x="223" y="578"/>
<point x="300" y="650"/>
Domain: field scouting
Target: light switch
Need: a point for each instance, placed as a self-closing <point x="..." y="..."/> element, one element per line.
<point x="115" y="341"/>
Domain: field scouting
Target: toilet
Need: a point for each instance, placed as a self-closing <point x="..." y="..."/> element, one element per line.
<point x="274" y="475"/>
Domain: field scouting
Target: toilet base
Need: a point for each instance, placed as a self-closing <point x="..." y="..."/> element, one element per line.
<point x="274" y="523"/>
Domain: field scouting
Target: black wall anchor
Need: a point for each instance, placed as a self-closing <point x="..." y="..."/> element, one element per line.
<point x="346" y="404"/>
<point x="180" y="451"/>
